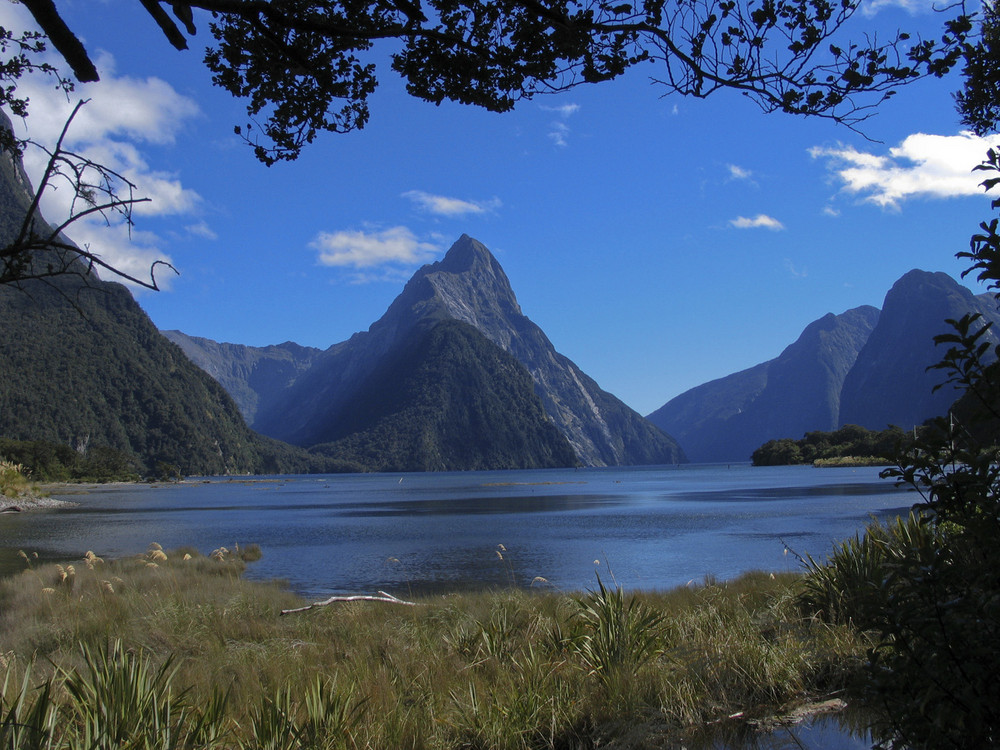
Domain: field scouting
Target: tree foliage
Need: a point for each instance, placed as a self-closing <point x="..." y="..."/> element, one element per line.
<point x="979" y="100"/>
<point x="308" y="66"/>
<point x="930" y="587"/>
<point x="46" y="461"/>
<point x="849" y="441"/>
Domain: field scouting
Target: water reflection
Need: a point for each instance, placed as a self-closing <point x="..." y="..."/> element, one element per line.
<point x="843" y="730"/>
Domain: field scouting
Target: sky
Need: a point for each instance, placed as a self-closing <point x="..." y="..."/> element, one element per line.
<point x="660" y="242"/>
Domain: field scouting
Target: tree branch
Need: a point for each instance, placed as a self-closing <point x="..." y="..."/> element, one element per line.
<point x="64" y="40"/>
<point x="382" y="597"/>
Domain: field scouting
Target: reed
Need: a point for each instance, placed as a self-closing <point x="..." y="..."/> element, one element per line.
<point x="190" y="654"/>
<point x="13" y="479"/>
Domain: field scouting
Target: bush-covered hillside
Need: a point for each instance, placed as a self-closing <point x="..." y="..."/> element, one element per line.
<point x="84" y="367"/>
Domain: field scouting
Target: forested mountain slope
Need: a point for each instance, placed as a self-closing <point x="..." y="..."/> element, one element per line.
<point x="82" y="365"/>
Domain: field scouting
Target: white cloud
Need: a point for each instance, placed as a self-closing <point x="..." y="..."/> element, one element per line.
<point x="358" y="249"/>
<point x="558" y="130"/>
<point x="445" y="206"/>
<point x="738" y="173"/>
<point x="757" y="222"/>
<point x="798" y="273"/>
<point x="559" y="133"/>
<point x="922" y="166"/>
<point x="202" y="230"/>
<point x="564" y="110"/>
<point x="122" y="114"/>
<point x="872" y="7"/>
<point x="133" y="253"/>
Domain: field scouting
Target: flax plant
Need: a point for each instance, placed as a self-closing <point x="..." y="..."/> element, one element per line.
<point x="28" y="717"/>
<point x="121" y="700"/>
<point x="616" y="632"/>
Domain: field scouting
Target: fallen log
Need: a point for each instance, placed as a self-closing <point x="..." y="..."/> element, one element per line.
<point x="382" y="597"/>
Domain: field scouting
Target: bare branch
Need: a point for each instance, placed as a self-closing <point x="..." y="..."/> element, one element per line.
<point x="382" y="597"/>
<point x="40" y="251"/>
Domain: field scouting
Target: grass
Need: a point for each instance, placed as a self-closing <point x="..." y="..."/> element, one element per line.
<point x="13" y="480"/>
<point x="852" y="461"/>
<point x="174" y="649"/>
<point x="850" y="586"/>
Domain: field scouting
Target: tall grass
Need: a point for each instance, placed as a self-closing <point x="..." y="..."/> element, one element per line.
<point x="13" y="479"/>
<point x="185" y="653"/>
<point x="852" y="585"/>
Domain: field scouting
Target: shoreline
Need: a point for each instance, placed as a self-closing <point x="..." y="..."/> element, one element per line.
<point x="28" y="502"/>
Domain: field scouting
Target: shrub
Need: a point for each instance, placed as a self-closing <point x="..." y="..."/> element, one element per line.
<point x="13" y="479"/>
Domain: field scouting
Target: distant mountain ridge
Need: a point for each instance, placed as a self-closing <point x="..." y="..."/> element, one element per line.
<point x="865" y="367"/>
<point x="247" y="371"/>
<point x="726" y="419"/>
<point x="467" y="286"/>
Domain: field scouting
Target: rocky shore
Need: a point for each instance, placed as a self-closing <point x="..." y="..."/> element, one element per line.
<point x="29" y="501"/>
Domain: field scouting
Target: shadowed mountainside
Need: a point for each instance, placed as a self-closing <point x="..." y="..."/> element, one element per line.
<point x="862" y="367"/>
<point x="468" y="286"/>
<point x="726" y="419"/>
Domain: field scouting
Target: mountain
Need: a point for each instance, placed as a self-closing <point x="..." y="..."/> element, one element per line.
<point x="82" y="365"/>
<point x="889" y="383"/>
<point x="864" y="367"/>
<point x="250" y="374"/>
<point x="798" y="391"/>
<point x="469" y="286"/>
<point x="447" y="398"/>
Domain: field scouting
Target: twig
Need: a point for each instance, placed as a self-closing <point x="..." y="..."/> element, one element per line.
<point x="382" y="597"/>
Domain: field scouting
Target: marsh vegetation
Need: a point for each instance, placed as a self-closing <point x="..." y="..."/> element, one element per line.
<point x="175" y="649"/>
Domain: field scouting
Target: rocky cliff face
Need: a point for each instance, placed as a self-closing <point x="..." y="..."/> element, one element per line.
<point x="863" y="367"/>
<point x="446" y="399"/>
<point x="468" y="285"/>
<point x="798" y="391"/>
<point x="251" y="374"/>
<point x="890" y="383"/>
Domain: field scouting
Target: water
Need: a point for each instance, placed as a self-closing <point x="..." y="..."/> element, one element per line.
<point x="651" y="527"/>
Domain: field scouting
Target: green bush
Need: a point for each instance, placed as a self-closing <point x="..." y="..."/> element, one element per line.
<point x="13" y="481"/>
<point x="929" y="587"/>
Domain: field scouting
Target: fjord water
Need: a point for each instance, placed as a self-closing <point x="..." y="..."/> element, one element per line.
<point x="652" y="527"/>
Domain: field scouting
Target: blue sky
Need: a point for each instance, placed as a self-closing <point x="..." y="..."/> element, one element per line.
<point x="659" y="242"/>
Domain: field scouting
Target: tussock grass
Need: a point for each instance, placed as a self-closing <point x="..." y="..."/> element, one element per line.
<point x="13" y="480"/>
<point x="191" y="654"/>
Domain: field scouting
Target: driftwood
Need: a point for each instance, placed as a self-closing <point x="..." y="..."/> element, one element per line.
<point x="382" y="597"/>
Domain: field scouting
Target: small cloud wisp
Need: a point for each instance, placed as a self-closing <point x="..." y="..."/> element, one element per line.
<point x="760" y="221"/>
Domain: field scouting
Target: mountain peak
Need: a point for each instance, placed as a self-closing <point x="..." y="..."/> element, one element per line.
<point x="467" y="254"/>
<point x="469" y="286"/>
